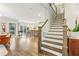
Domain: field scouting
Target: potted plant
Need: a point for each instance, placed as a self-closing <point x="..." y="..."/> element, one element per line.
<point x="74" y="33"/>
<point x="73" y="43"/>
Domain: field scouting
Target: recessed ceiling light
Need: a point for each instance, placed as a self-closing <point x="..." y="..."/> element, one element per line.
<point x="39" y="15"/>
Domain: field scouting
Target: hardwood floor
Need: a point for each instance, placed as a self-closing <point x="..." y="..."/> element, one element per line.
<point x="23" y="46"/>
<point x="19" y="53"/>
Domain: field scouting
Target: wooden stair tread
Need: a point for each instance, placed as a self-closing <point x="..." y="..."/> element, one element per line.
<point x="53" y="38"/>
<point x="53" y="42"/>
<point x="54" y="34"/>
<point x="51" y="51"/>
<point x="45" y="53"/>
<point x="52" y="48"/>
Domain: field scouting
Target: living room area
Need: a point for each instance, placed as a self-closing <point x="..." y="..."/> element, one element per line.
<point x="19" y="29"/>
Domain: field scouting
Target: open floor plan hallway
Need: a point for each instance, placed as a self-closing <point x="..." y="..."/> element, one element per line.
<point x="23" y="46"/>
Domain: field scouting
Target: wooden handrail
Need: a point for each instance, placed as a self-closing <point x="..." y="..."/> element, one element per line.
<point x="44" y="23"/>
<point x="55" y="7"/>
<point x="39" y="40"/>
<point x="52" y="8"/>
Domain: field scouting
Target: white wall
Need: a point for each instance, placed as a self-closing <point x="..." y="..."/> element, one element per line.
<point x="71" y="14"/>
<point x="30" y="13"/>
<point x="45" y="13"/>
<point x="7" y="20"/>
<point x="50" y="15"/>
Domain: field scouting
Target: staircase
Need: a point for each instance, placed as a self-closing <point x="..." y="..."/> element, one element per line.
<point x="52" y="43"/>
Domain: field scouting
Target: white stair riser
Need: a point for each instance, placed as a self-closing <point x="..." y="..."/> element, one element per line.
<point x="51" y="51"/>
<point x="56" y="27"/>
<point x="54" y="40"/>
<point x="55" y="36"/>
<point x="56" y="33"/>
<point x="59" y="22"/>
<point x="52" y="45"/>
<point x="56" y="30"/>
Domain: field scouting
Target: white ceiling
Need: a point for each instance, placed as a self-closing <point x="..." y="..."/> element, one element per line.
<point x="29" y="12"/>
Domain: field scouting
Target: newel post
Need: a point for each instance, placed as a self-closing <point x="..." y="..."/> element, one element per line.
<point x="65" y="41"/>
<point x="39" y="39"/>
